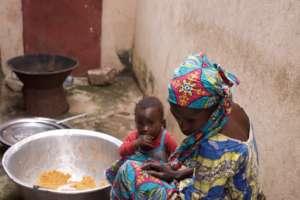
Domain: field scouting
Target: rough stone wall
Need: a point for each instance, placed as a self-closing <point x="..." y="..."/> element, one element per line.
<point x="257" y="40"/>
<point x="11" y="31"/>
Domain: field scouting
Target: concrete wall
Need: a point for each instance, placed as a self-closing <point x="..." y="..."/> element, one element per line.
<point x="11" y="31"/>
<point x="257" y="40"/>
<point x="118" y="24"/>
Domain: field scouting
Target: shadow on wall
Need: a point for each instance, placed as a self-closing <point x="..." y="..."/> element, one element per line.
<point x="1" y="72"/>
<point x="125" y="57"/>
<point x="143" y="75"/>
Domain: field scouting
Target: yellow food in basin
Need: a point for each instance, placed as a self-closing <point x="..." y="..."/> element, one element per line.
<point x="103" y="183"/>
<point x="53" y="179"/>
<point x="87" y="182"/>
<point x="58" y="180"/>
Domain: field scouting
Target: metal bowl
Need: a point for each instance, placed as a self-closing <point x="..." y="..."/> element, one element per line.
<point x="15" y="130"/>
<point x="76" y="151"/>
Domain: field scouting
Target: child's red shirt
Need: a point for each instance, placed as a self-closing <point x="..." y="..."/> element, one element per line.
<point x="127" y="148"/>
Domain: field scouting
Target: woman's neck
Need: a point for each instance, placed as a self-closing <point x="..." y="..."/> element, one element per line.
<point x="238" y="125"/>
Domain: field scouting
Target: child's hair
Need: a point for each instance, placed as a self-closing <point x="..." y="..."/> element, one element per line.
<point x="150" y="101"/>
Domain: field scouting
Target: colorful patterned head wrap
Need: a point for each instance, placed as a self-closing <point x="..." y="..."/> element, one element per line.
<point x="199" y="84"/>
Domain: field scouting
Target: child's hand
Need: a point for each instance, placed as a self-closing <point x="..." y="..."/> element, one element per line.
<point x="145" y="141"/>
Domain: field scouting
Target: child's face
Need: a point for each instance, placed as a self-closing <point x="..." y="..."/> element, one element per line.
<point x="149" y="121"/>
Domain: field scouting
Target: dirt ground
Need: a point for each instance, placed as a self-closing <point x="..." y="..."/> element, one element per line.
<point x="110" y="111"/>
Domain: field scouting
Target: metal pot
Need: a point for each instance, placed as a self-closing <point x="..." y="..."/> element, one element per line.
<point x="80" y="152"/>
<point x="43" y="76"/>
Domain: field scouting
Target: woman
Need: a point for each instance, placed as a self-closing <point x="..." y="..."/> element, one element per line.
<point x="218" y="157"/>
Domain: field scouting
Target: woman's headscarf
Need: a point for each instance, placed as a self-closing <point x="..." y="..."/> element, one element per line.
<point x="197" y="83"/>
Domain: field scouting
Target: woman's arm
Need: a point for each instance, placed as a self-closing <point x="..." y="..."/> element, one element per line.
<point x="184" y="173"/>
<point x="165" y="173"/>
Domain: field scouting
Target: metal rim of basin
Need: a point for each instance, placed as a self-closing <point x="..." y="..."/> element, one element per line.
<point x="10" y="63"/>
<point x="59" y="132"/>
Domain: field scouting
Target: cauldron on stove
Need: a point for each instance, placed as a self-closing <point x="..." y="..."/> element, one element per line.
<point x="43" y="76"/>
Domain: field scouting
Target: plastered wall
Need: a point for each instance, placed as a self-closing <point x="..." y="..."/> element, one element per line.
<point x="11" y="31"/>
<point x="118" y="27"/>
<point x="259" y="41"/>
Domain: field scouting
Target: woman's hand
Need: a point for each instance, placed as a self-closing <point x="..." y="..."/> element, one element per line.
<point x="165" y="172"/>
<point x="160" y="171"/>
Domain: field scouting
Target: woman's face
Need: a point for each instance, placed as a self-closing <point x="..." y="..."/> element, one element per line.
<point x="190" y="120"/>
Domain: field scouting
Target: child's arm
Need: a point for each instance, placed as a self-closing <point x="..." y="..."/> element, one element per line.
<point x="129" y="145"/>
<point x="170" y="143"/>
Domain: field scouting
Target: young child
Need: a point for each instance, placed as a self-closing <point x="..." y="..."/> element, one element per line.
<point x="150" y="140"/>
